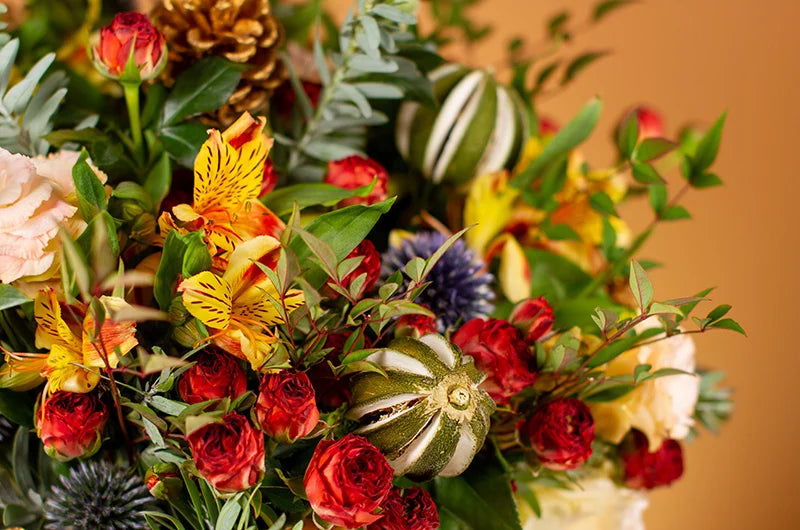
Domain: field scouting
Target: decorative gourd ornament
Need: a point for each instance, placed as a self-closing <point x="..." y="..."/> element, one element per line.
<point x="429" y="417"/>
<point x="479" y="127"/>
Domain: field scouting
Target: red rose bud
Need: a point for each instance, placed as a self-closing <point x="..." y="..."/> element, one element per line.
<point x="500" y="352"/>
<point x="347" y="481"/>
<point x="650" y="123"/>
<point x="646" y="470"/>
<point x="286" y="408"/>
<point x="71" y="425"/>
<point x="215" y="375"/>
<point x="229" y="454"/>
<point x="114" y="58"/>
<point x="410" y="509"/>
<point x="164" y="481"/>
<point x="414" y="326"/>
<point x="534" y="318"/>
<point x="370" y="265"/>
<point x="561" y="433"/>
<point x="354" y="172"/>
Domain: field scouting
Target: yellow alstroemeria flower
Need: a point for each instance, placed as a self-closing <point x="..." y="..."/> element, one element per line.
<point x="228" y="173"/>
<point x="236" y="306"/>
<point x="76" y="352"/>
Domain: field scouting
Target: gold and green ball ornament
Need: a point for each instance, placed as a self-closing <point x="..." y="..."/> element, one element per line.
<point x="479" y="127"/>
<point x="429" y="417"/>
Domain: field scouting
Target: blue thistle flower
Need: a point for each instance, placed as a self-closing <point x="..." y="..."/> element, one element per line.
<point x="95" y="494"/>
<point x="459" y="290"/>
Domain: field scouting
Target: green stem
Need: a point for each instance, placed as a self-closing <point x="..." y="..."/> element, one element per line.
<point x="132" y="100"/>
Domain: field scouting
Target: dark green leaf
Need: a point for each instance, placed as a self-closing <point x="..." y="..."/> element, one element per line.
<point x="601" y="202"/>
<point x="718" y="312"/>
<point x="628" y="134"/>
<point x="673" y="213"/>
<point x="204" y="87"/>
<point x="184" y="141"/>
<point x="706" y="180"/>
<point x="10" y="297"/>
<point x="658" y="197"/>
<point x="578" y="64"/>
<point x="708" y="147"/>
<point x="158" y="181"/>
<point x="645" y="173"/>
<point x="561" y="232"/>
<point x="571" y="135"/>
<point x="728" y="323"/>
<point x="18" y="406"/>
<point x="607" y="6"/>
<point x="281" y="201"/>
<point x="652" y="148"/>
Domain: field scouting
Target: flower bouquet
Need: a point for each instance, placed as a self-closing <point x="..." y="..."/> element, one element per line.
<point x="261" y="269"/>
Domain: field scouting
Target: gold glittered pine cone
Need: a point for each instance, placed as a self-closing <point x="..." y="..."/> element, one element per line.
<point x="242" y="31"/>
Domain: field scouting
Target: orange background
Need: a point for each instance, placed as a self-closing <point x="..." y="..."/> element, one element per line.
<point x="692" y="59"/>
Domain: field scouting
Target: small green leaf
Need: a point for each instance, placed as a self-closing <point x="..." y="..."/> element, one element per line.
<point x="706" y="180"/>
<point x="561" y="232"/>
<point x="601" y="202"/>
<point x="646" y="174"/>
<point x="640" y="285"/>
<point x="158" y="181"/>
<point x="605" y="7"/>
<point x="578" y="64"/>
<point x="281" y="201"/>
<point x="10" y="297"/>
<point x="657" y="308"/>
<point x="652" y="148"/>
<point x="708" y="147"/>
<point x="628" y="134"/>
<point x="90" y="191"/>
<point x="229" y="513"/>
<point x="184" y="141"/>
<point x="658" y="197"/>
<point x="718" y="312"/>
<point x="728" y="323"/>
<point x="674" y="213"/>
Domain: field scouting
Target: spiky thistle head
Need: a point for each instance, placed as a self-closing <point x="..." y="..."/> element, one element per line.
<point x="459" y="287"/>
<point x="95" y="494"/>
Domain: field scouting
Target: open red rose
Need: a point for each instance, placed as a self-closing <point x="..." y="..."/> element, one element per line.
<point x="409" y="509"/>
<point x="534" y="317"/>
<point x="561" y="433"/>
<point x="347" y="481"/>
<point x="126" y="30"/>
<point x="501" y="353"/>
<point x="354" y="172"/>
<point x="215" y="375"/>
<point x="286" y="408"/>
<point x="370" y="266"/>
<point x="229" y="454"/>
<point x="71" y="425"/>
<point x="646" y="470"/>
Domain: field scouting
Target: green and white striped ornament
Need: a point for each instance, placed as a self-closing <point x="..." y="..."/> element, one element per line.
<point x="428" y="416"/>
<point x="479" y="127"/>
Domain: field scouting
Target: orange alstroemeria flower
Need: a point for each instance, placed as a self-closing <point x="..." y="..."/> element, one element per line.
<point x="238" y="307"/>
<point x="228" y="173"/>
<point x="77" y="352"/>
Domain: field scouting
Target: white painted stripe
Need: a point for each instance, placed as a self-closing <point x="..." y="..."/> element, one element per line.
<point x="442" y="348"/>
<point x="413" y="451"/>
<point x="399" y="362"/>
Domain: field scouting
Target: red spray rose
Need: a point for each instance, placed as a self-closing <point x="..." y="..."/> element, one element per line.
<point x="370" y="265"/>
<point x="356" y="171"/>
<point x="500" y="352"/>
<point x="646" y="470"/>
<point x="410" y="509"/>
<point x="230" y="454"/>
<point x="533" y="317"/>
<point x="215" y="375"/>
<point x="71" y="425"/>
<point x="286" y="408"/>
<point x="650" y="123"/>
<point x="561" y="433"/>
<point x="346" y="481"/>
<point x="114" y="48"/>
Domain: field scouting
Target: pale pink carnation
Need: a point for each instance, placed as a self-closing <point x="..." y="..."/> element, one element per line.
<point x="37" y="195"/>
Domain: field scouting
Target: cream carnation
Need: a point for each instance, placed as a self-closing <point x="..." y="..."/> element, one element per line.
<point x="36" y="197"/>
<point x="661" y="408"/>
<point x="598" y="504"/>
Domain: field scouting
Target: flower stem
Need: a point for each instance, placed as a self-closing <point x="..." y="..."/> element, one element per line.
<point x="132" y="100"/>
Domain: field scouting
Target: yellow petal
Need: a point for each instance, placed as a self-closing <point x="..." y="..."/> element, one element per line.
<point x="51" y="328"/>
<point x="253" y="304"/>
<point x="514" y="273"/>
<point x="489" y="207"/>
<point x="230" y="167"/>
<point x="243" y="342"/>
<point x="63" y="373"/>
<point x="113" y="336"/>
<point x="242" y="272"/>
<point x="208" y="297"/>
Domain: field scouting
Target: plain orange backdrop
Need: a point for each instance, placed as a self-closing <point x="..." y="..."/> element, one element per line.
<point x="693" y="59"/>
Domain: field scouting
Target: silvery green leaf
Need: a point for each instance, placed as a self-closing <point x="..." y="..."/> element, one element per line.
<point x="338" y="124"/>
<point x="346" y="109"/>
<point x="324" y="150"/>
<point x="88" y="122"/>
<point x="7" y="55"/>
<point x="366" y="63"/>
<point x="299" y="91"/>
<point x="37" y="115"/>
<point x="395" y="15"/>
<point x="349" y="92"/>
<point x="18" y="96"/>
<point x="281" y="139"/>
<point x="387" y="41"/>
<point x="308" y="173"/>
<point x="371" y="31"/>
<point x="321" y="63"/>
<point x="365" y="46"/>
<point x="379" y="90"/>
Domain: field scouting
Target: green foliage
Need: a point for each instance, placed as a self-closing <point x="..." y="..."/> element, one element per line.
<point x="715" y="404"/>
<point x="184" y="255"/>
